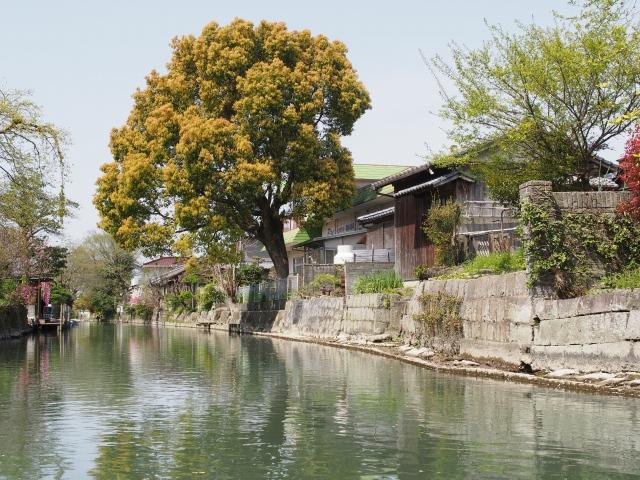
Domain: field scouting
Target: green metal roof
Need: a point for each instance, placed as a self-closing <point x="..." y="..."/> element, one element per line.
<point x="300" y="235"/>
<point x="295" y="236"/>
<point x="367" y="193"/>
<point x="370" y="171"/>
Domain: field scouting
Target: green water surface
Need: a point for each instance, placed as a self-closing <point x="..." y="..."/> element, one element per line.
<point x="122" y="402"/>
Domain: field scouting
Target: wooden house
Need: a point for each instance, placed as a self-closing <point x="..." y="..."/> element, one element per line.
<point x="415" y="191"/>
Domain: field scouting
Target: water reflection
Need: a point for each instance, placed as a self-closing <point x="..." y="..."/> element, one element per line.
<point x="136" y="402"/>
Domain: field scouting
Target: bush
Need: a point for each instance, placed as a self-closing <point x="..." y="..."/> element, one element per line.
<point x="143" y="311"/>
<point x="628" y="278"/>
<point x="440" y="320"/>
<point x="495" y="263"/>
<point x="325" y="282"/>
<point x="382" y="282"/>
<point x="209" y="296"/>
<point x="8" y="292"/>
<point x="139" y="310"/>
<point x="250" y="274"/>
<point x="424" y="272"/>
<point x="322" y="284"/>
<point x="571" y="252"/>
<point x="180" y="302"/>
<point x="441" y="225"/>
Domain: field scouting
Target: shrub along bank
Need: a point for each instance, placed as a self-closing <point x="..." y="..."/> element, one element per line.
<point x="574" y="251"/>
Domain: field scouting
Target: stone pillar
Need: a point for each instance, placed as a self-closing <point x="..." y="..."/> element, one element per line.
<point x="538" y="192"/>
<point x="535" y="191"/>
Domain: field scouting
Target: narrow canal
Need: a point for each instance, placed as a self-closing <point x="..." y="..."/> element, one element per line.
<point x="141" y="402"/>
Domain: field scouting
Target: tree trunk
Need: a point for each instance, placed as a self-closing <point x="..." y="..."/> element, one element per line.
<point x="272" y="238"/>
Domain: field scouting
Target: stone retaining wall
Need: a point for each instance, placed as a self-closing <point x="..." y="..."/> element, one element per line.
<point x="13" y="322"/>
<point x="330" y="317"/>
<point x="496" y="314"/>
<point x="502" y="320"/>
<point x="596" y="332"/>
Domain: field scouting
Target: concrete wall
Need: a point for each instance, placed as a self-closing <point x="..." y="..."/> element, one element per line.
<point x="13" y="322"/>
<point x="330" y="317"/>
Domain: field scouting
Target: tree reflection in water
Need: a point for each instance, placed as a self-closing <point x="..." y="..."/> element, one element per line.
<point x="141" y="402"/>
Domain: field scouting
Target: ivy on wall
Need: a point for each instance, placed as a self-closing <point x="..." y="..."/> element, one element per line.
<point x="572" y="251"/>
<point x="440" y="320"/>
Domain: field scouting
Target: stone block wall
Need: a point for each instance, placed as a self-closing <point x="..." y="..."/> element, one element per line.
<point x="596" y="332"/>
<point x="502" y="320"/>
<point x="496" y="313"/>
<point x="330" y="317"/>
<point x="539" y="191"/>
<point x="373" y="314"/>
<point x="593" y="202"/>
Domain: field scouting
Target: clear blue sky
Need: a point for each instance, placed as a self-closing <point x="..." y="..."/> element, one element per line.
<point x="84" y="59"/>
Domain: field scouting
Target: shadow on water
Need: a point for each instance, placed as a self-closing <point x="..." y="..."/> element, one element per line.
<point x="110" y="401"/>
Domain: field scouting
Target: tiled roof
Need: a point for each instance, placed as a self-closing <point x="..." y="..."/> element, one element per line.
<point x="376" y="215"/>
<point x="367" y="193"/>
<point x="164" y="262"/>
<point x="399" y="175"/>
<point x="370" y="171"/>
<point x="433" y="183"/>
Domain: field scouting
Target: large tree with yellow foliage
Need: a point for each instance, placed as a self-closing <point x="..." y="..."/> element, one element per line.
<point x="242" y="132"/>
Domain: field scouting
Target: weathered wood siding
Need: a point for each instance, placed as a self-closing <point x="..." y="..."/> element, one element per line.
<point x="381" y="236"/>
<point x="411" y="244"/>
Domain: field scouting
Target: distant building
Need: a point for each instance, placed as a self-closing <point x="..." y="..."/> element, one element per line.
<point x="154" y="271"/>
<point x="344" y="228"/>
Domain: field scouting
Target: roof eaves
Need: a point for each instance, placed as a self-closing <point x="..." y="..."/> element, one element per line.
<point x="398" y="176"/>
<point x="386" y="212"/>
<point x="434" y="182"/>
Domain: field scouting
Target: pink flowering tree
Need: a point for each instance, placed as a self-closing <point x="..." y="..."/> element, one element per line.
<point x="630" y="165"/>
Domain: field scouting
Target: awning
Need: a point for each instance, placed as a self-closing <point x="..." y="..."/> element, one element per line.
<point x="434" y="183"/>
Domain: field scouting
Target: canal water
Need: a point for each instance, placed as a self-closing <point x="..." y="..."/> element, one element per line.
<point x="120" y="402"/>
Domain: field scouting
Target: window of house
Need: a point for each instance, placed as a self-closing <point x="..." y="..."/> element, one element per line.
<point x="328" y="256"/>
<point x="297" y="265"/>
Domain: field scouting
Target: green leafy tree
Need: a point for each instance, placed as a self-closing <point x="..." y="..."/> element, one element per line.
<point x="99" y="274"/>
<point x="32" y="201"/>
<point x="242" y="132"/>
<point x="29" y="146"/>
<point x="543" y="102"/>
<point x="61" y="295"/>
<point x="250" y="274"/>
